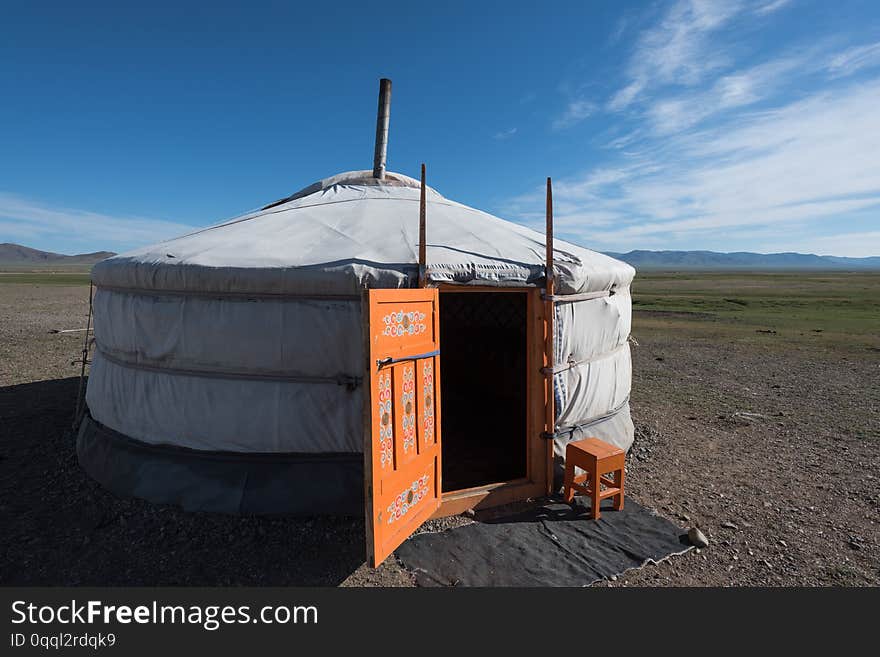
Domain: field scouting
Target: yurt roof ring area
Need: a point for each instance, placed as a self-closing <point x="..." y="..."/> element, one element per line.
<point x="297" y="360"/>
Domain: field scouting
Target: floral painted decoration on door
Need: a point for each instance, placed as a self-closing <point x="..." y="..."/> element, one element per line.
<point x="386" y="426"/>
<point x="410" y="496"/>
<point x="408" y="407"/>
<point x="401" y="323"/>
<point x="428" y="391"/>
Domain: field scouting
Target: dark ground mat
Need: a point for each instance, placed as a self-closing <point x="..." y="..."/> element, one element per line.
<point x="554" y="544"/>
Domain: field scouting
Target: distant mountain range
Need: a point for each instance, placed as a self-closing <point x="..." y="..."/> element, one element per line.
<point x="708" y="260"/>
<point x="16" y="255"/>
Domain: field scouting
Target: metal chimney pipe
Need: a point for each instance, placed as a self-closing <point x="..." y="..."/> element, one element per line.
<point x="382" y="119"/>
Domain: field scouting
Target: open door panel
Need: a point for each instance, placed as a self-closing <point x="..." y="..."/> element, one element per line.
<point x="402" y="472"/>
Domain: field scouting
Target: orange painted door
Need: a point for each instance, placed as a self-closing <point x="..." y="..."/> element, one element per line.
<point x="402" y="445"/>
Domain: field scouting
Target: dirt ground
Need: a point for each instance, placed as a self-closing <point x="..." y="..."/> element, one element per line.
<point x="768" y="442"/>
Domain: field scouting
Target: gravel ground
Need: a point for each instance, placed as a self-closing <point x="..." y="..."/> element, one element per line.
<point x="769" y="447"/>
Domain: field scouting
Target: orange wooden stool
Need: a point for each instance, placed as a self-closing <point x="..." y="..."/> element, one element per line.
<point x="597" y="458"/>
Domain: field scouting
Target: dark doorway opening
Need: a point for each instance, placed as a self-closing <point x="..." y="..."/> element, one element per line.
<point x="484" y="387"/>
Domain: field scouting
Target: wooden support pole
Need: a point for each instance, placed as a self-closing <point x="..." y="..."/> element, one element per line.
<point x="79" y="411"/>
<point x="549" y="212"/>
<point x="550" y="323"/>
<point x="423" y="246"/>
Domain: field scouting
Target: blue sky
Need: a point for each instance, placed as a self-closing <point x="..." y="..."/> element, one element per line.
<point x="723" y="125"/>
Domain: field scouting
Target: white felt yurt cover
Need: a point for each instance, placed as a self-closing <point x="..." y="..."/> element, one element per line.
<point x="246" y="336"/>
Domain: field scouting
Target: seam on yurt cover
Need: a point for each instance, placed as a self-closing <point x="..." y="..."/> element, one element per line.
<point x="340" y="379"/>
<point x="574" y="298"/>
<point x="221" y="455"/>
<point x="229" y="294"/>
<point x="583" y="424"/>
<point x="560" y="385"/>
<point x="571" y="364"/>
<point x="560" y="388"/>
<point x="263" y="213"/>
<point x="478" y="265"/>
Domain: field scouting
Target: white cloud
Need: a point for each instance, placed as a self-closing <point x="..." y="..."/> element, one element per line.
<point x="853" y="59"/>
<point x="714" y="153"/>
<point x="625" y="96"/>
<point x="624" y="140"/>
<point x="618" y="31"/>
<point x="678" y="49"/>
<point x="685" y="46"/>
<point x="736" y="89"/>
<point x="590" y="185"/>
<point x="504" y="134"/>
<point x="771" y="6"/>
<point x="801" y="168"/>
<point x="577" y="111"/>
<point x="34" y="222"/>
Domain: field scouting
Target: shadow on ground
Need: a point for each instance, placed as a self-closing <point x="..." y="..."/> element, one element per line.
<point x="62" y="528"/>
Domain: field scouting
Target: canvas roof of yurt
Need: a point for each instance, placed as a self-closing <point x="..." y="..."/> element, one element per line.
<point x="351" y="231"/>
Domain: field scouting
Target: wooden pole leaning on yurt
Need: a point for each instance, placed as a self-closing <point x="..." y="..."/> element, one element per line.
<point x="549" y="349"/>
<point x="423" y="246"/>
<point x="79" y="411"/>
<point x="383" y="117"/>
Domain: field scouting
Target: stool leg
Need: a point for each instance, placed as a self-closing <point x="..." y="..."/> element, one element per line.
<point x="618" y="499"/>
<point x="595" y="489"/>
<point x="568" y="490"/>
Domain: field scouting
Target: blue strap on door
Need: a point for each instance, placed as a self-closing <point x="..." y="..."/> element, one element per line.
<point x="382" y="362"/>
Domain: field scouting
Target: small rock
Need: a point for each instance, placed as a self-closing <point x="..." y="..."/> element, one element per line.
<point x="697" y="538"/>
<point x="750" y="417"/>
<point x="470" y="513"/>
<point x="728" y="525"/>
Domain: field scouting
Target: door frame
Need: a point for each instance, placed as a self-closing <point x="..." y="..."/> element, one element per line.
<point x="539" y="450"/>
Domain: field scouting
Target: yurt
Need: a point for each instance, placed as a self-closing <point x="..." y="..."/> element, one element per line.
<point x="363" y="344"/>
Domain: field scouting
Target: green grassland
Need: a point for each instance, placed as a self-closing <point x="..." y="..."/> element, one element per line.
<point x="815" y="306"/>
